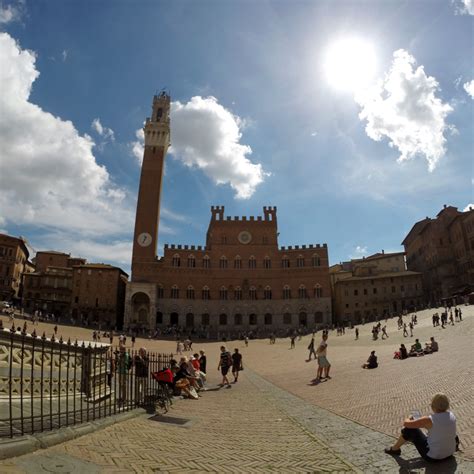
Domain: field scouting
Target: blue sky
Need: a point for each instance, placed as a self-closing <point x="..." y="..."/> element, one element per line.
<point x="325" y="156"/>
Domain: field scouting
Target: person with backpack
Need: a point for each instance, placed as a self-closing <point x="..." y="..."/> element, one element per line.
<point x="225" y="363"/>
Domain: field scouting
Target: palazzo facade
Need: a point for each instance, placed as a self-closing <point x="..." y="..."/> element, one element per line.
<point x="240" y="280"/>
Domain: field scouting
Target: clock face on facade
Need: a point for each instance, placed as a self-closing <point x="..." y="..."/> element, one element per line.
<point x="144" y="239"/>
<point x="244" y="237"/>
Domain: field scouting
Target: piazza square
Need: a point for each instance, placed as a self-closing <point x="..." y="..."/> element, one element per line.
<point x="236" y="236"/>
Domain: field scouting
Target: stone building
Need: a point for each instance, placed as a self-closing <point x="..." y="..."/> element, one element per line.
<point x="442" y="249"/>
<point x="98" y="294"/>
<point x="13" y="262"/>
<point x="239" y="280"/>
<point x="374" y="287"/>
<point x="49" y="288"/>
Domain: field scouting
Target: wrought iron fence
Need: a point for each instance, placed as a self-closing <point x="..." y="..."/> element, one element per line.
<point x="47" y="384"/>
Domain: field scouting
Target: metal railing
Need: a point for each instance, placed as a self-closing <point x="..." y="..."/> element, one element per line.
<point x="46" y="384"/>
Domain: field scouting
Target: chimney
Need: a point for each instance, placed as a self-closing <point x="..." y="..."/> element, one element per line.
<point x="444" y="206"/>
<point x="383" y="251"/>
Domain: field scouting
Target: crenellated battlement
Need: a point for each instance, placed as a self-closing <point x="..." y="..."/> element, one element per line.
<point x="269" y="214"/>
<point x="303" y="247"/>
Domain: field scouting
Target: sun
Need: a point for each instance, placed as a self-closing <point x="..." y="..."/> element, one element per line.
<point x="350" y="64"/>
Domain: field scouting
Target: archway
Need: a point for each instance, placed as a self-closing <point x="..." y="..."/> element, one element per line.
<point x="303" y="319"/>
<point x="140" y="309"/>
<point x="190" y="320"/>
<point x="174" y="319"/>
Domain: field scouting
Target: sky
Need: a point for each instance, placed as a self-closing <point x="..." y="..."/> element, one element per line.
<point x="354" y="118"/>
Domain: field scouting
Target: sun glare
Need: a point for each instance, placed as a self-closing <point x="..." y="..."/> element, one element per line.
<point x="350" y="64"/>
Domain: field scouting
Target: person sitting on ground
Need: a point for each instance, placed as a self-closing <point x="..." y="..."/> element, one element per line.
<point x="183" y="372"/>
<point x="416" y="349"/>
<point x="431" y="346"/>
<point x="441" y="442"/>
<point x="371" y="362"/>
<point x="403" y="352"/>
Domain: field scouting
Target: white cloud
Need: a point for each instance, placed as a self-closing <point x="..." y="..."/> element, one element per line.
<point x="49" y="176"/>
<point x="469" y="88"/>
<point x="467" y="207"/>
<point x="138" y="146"/>
<point x="64" y="55"/>
<point x="359" y="251"/>
<point x="11" y="12"/>
<point x="106" y="133"/>
<point x="206" y="135"/>
<point x="464" y="7"/>
<point x="403" y="107"/>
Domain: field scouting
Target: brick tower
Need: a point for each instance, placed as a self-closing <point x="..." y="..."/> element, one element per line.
<point x="157" y="139"/>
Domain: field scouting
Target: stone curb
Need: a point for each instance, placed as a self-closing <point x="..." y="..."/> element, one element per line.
<point x="14" y="447"/>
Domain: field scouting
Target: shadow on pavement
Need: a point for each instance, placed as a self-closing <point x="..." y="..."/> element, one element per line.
<point x="444" y="467"/>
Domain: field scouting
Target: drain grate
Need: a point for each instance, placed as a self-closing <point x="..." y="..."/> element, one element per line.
<point x="172" y="420"/>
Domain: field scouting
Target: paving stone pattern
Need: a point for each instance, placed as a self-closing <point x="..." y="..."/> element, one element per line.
<point x="237" y="430"/>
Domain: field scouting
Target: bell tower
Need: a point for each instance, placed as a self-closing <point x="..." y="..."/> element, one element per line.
<point x="157" y="140"/>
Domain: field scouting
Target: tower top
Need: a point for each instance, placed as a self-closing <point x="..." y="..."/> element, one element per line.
<point x="157" y="127"/>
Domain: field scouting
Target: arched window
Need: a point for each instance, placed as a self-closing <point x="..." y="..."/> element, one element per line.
<point x="302" y="292"/>
<point x="223" y="293"/>
<point x="223" y="262"/>
<point x="174" y="291"/>
<point x="205" y="319"/>
<point x="318" y="291"/>
<point x="267" y="263"/>
<point x="160" y="292"/>
<point x="285" y="262"/>
<point x="286" y="292"/>
<point x="206" y="262"/>
<point x="252" y="293"/>
<point x="238" y="262"/>
<point x="287" y="318"/>
<point x="237" y="293"/>
<point x="252" y="262"/>
<point x="223" y="319"/>
<point x="176" y="261"/>
<point x="237" y="319"/>
<point x="252" y="319"/>
<point x="268" y="319"/>
<point x="190" y="292"/>
<point x="315" y="260"/>
<point x="267" y="293"/>
<point x="300" y="261"/>
<point x="206" y="293"/>
<point x="191" y="261"/>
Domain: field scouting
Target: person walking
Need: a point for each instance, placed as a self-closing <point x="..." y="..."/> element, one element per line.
<point x="384" y="332"/>
<point x="357" y="333"/>
<point x="203" y="362"/>
<point x="405" y="332"/>
<point x="311" y="349"/>
<point x="411" y="329"/>
<point x="236" y="364"/>
<point x="225" y="362"/>
<point x="292" y="341"/>
<point x="246" y="341"/>
<point x="323" y="364"/>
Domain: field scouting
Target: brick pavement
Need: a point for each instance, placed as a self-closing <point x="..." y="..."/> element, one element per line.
<point x="237" y="430"/>
<point x="378" y="399"/>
